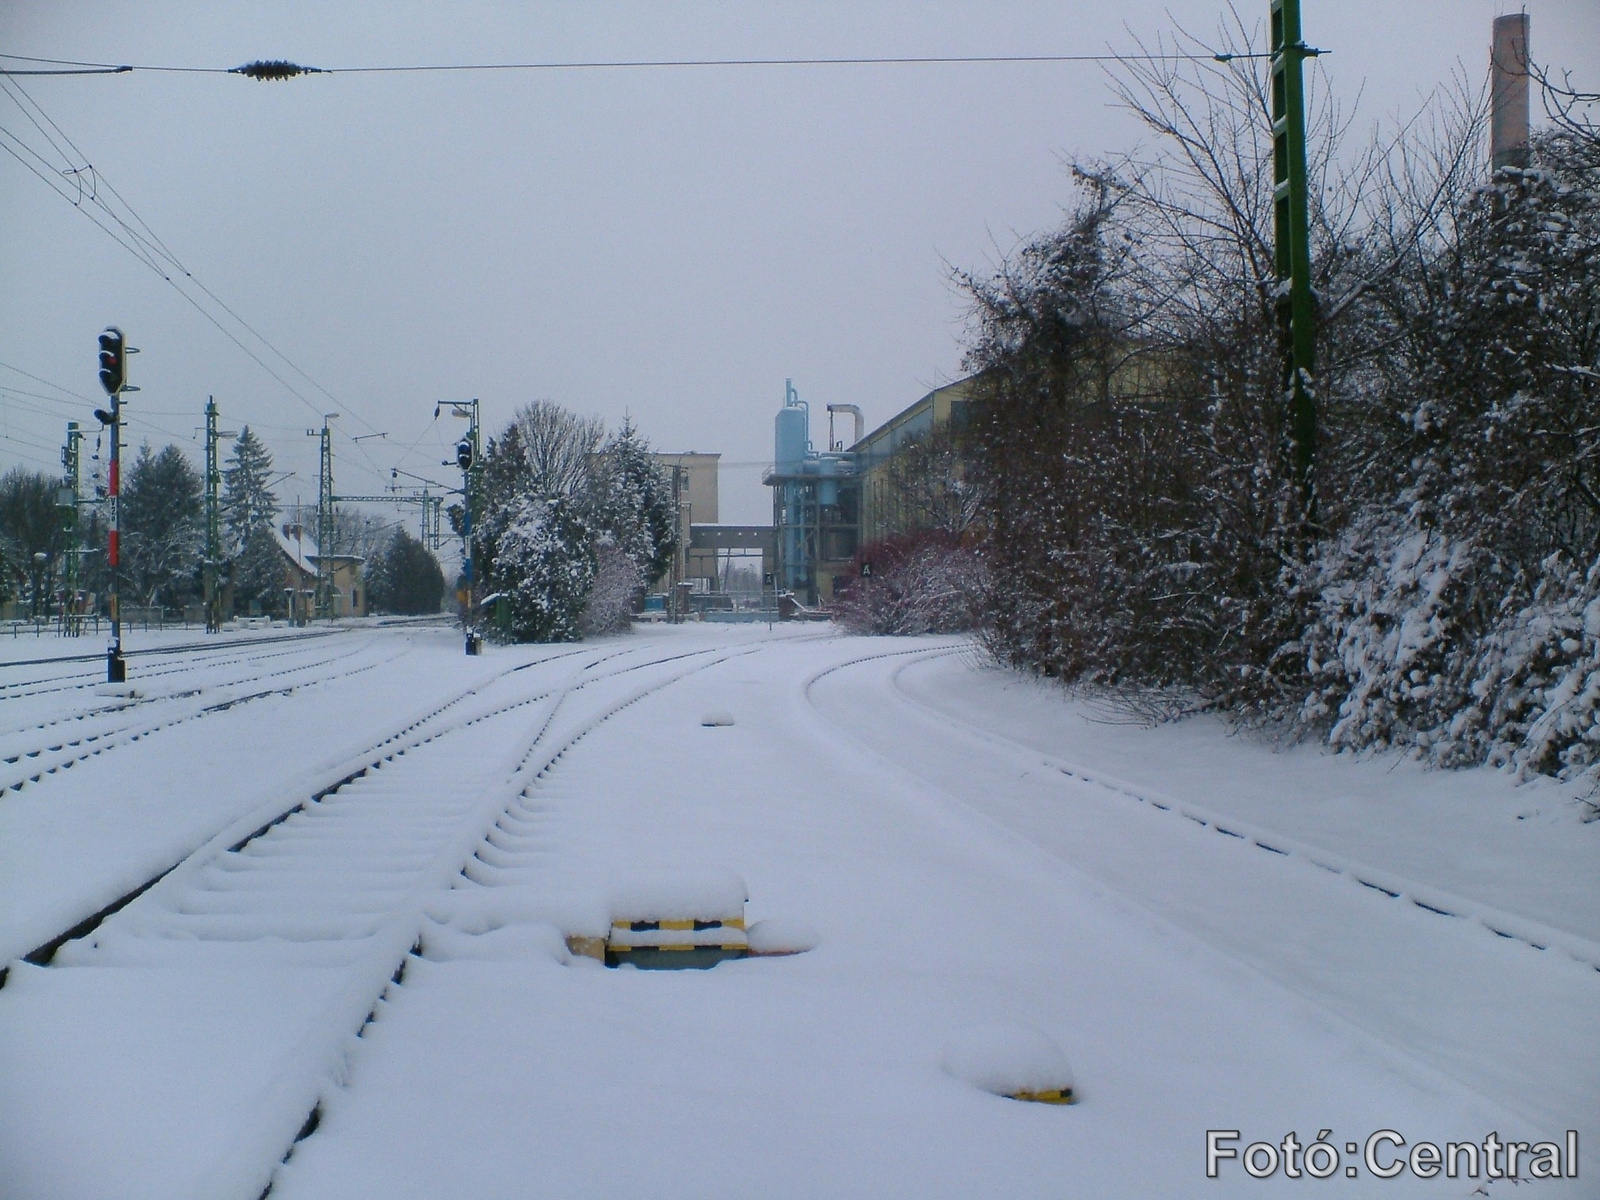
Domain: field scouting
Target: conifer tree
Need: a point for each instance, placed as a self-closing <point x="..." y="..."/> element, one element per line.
<point x="248" y="510"/>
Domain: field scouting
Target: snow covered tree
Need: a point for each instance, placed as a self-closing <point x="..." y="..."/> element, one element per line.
<point x="258" y="573"/>
<point x="162" y="531"/>
<point x="617" y="580"/>
<point x="405" y="578"/>
<point x="249" y="508"/>
<point x="630" y="501"/>
<point x="247" y="500"/>
<point x="30" y="524"/>
<point x="544" y="567"/>
<point x="533" y="542"/>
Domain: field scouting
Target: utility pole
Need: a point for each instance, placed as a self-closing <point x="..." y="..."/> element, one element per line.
<point x="1292" y="244"/>
<point x="114" y="351"/>
<point x="469" y="457"/>
<point x="324" y="599"/>
<point x="70" y="499"/>
<point x="213" y="517"/>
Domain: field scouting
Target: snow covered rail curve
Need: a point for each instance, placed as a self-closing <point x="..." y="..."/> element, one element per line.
<point x="29" y="941"/>
<point x="330" y="889"/>
<point x="196" y="654"/>
<point x="33" y="757"/>
<point x="1386" y="883"/>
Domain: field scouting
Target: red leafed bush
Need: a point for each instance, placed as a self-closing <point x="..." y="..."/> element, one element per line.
<point x="925" y="582"/>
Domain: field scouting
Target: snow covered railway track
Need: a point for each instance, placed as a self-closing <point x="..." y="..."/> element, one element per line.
<point x="418" y="733"/>
<point x="89" y="681"/>
<point x="337" y="883"/>
<point x="1376" y="880"/>
<point x="198" y="652"/>
<point x="68" y="741"/>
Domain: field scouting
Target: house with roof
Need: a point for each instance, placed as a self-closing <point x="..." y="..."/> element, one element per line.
<point x="302" y="566"/>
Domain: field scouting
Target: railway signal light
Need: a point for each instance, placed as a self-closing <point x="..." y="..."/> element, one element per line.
<point x="464" y="454"/>
<point x="113" y="361"/>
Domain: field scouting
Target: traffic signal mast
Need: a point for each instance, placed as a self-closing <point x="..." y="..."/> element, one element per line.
<point x="114" y="351"/>
<point x="69" y="502"/>
<point x="469" y="454"/>
<point x="213" y="563"/>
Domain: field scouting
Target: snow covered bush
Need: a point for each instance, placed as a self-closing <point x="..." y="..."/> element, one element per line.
<point x="544" y="567"/>
<point x="617" y="580"/>
<point x="926" y="582"/>
<point x="1452" y="611"/>
<point x="568" y="524"/>
<point x="1431" y="583"/>
<point x="1383" y="654"/>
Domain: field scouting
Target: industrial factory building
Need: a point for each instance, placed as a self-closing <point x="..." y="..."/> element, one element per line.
<point x="826" y="504"/>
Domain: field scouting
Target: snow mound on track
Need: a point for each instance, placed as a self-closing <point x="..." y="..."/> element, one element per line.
<point x="781" y="935"/>
<point x="509" y="943"/>
<point x="677" y="896"/>
<point x="1006" y="1059"/>
<point x="481" y="910"/>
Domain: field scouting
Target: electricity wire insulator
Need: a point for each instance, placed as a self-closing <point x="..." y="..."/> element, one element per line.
<point x="274" y="69"/>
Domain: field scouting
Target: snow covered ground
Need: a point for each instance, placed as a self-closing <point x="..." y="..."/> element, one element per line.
<point x="1213" y="934"/>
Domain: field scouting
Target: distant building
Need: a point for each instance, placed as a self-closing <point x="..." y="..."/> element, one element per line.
<point x="693" y="477"/>
<point x="826" y="505"/>
<point x="883" y="508"/>
<point x="301" y="566"/>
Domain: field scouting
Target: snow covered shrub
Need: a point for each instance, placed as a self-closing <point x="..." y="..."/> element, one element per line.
<point x="534" y="546"/>
<point x="630" y="500"/>
<point x="569" y="525"/>
<point x="1534" y="683"/>
<point x="544" y="566"/>
<point x="617" y="580"/>
<point x="925" y="582"/>
<point x="1383" y="654"/>
<point x="1452" y="609"/>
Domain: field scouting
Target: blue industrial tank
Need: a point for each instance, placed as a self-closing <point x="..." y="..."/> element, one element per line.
<point x="792" y="437"/>
<point x="828" y="484"/>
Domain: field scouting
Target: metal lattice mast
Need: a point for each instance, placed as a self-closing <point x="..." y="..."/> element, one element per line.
<point x="213" y="521"/>
<point x="324" y="597"/>
<point x="1292" y="242"/>
<point x="72" y="539"/>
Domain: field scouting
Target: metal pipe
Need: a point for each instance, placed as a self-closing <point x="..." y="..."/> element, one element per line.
<point x="1508" y="92"/>
<point x="855" y="411"/>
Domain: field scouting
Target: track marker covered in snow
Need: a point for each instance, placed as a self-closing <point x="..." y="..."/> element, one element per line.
<point x="1015" y="1061"/>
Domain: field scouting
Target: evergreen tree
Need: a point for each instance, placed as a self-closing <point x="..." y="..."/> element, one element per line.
<point x="405" y="578"/>
<point x="258" y="574"/>
<point x="248" y="510"/>
<point x="162" y="531"/>
<point x="30" y="524"/>
<point x="534" y="542"/>
<point x="545" y="567"/>
<point x="630" y="501"/>
<point x="247" y="501"/>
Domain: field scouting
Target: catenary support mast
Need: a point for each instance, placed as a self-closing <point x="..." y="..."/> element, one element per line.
<point x="1292" y="244"/>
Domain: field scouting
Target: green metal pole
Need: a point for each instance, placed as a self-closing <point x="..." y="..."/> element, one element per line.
<point x="213" y="521"/>
<point x="71" y="618"/>
<point x="325" y="526"/>
<point x="1292" y="243"/>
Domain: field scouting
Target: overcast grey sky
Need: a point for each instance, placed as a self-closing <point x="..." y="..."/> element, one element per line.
<point x="670" y="243"/>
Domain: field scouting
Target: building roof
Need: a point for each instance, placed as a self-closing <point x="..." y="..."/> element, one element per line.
<point x="301" y="551"/>
<point x="914" y="419"/>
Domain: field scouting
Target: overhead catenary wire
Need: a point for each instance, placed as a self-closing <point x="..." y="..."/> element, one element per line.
<point x="279" y="69"/>
<point x="135" y="235"/>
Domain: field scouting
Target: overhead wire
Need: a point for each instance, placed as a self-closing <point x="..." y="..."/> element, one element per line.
<point x="277" y="69"/>
<point x="136" y="236"/>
